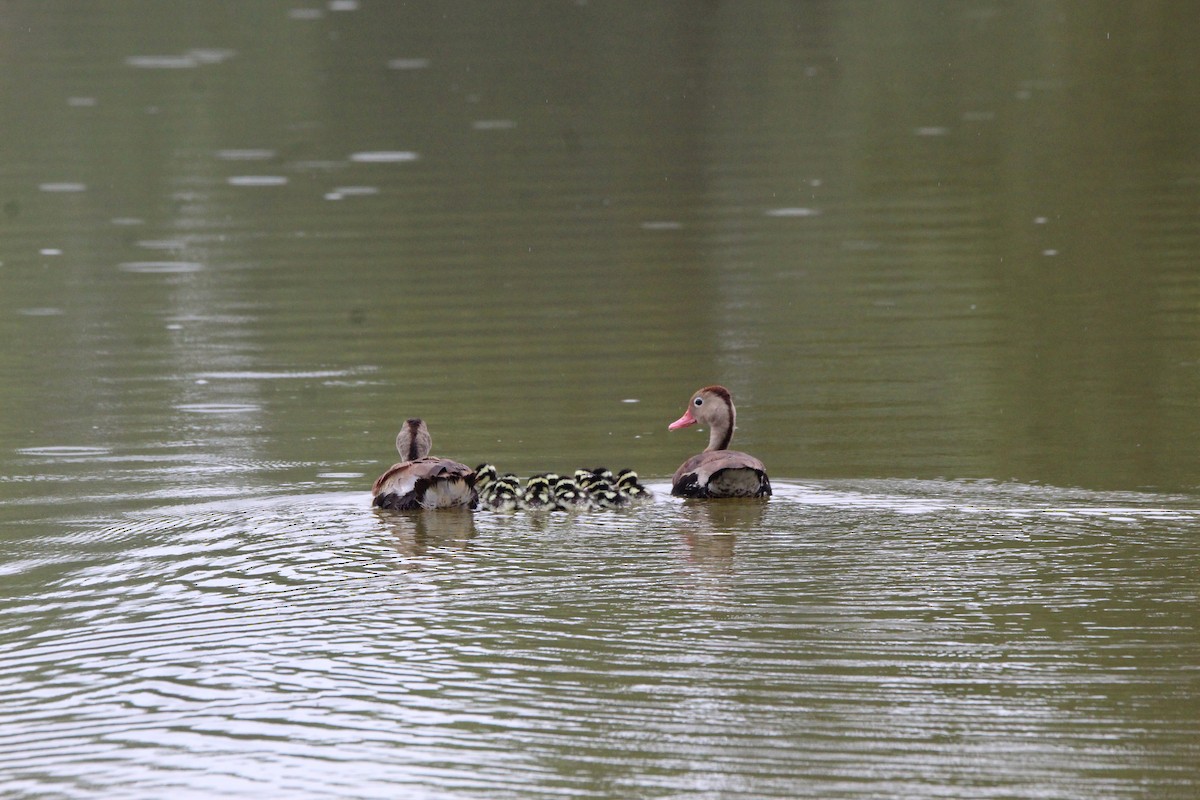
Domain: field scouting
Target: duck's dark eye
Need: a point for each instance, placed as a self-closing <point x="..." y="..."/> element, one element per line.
<point x="699" y="401"/>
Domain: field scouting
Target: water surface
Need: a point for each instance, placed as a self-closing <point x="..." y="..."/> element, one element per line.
<point x="944" y="254"/>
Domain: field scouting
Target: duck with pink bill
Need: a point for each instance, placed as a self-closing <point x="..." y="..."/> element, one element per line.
<point x="718" y="471"/>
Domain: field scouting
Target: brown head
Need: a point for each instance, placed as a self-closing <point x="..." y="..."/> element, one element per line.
<point x="711" y="406"/>
<point x="414" y="441"/>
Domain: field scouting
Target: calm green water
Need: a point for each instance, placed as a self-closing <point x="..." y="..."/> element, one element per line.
<point x="944" y="254"/>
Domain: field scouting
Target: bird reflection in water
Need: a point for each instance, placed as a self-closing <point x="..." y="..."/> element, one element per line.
<point x="417" y="532"/>
<point x="711" y="528"/>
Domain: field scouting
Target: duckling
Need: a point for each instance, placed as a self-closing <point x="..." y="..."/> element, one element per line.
<point x="539" y="492"/>
<point x="631" y="489"/>
<point x="485" y="479"/>
<point x="594" y="481"/>
<point x="606" y="497"/>
<point x="600" y="477"/>
<point x="568" y="496"/>
<point x="497" y="492"/>
<point x="600" y="486"/>
<point x="507" y="494"/>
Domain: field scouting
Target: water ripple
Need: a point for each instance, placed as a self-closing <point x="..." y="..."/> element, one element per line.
<point x="703" y="649"/>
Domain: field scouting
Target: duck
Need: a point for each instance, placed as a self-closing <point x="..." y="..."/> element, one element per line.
<point x="421" y="481"/>
<point x="718" y="471"/>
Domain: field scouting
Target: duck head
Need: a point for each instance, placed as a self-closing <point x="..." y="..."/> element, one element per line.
<point x="711" y="406"/>
<point x="413" y="441"/>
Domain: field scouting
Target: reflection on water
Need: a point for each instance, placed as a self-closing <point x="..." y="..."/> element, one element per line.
<point x="417" y="532"/>
<point x="895" y="282"/>
<point x="724" y="517"/>
<point x="943" y="254"/>
<point x="711" y="529"/>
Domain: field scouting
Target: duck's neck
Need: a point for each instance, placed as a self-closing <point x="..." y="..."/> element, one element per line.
<point x="413" y="442"/>
<point x="720" y="432"/>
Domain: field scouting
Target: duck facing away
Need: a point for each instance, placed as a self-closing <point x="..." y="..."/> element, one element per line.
<point x="422" y="481"/>
<point x="718" y="471"/>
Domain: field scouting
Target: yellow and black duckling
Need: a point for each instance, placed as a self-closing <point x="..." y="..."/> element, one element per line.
<point x="539" y="492"/>
<point x="497" y="492"/>
<point x="568" y="496"/>
<point x="598" y="485"/>
<point x="631" y="489"/>
<point x="506" y="494"/>
<point x="608" y="491"/>
<point x="485" y="479"/>
<point x="588" y="489"/>
<point x="589" y="479"/>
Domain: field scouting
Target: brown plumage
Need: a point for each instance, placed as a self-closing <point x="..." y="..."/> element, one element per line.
<point x="718" y="471"/>
<point x="422" y="481"/>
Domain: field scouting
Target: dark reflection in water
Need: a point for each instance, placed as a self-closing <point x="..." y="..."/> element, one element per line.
<point x="417" y="532"/>
<point x="711" y="529"/>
